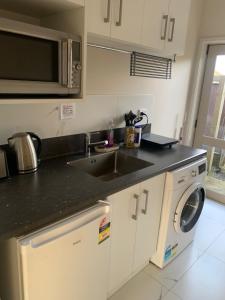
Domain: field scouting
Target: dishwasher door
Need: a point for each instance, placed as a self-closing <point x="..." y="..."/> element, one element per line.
<point x="68" y="261"/>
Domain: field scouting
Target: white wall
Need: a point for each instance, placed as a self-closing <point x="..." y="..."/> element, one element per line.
<point x="213" y="19"/>
<point x="108" y="76"/>
<point x="93" y="114"/>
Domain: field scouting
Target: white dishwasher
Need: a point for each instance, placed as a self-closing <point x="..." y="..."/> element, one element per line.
<point x="65" y="261"/>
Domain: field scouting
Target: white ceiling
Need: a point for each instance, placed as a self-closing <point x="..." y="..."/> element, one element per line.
<point x="36" y="8"/>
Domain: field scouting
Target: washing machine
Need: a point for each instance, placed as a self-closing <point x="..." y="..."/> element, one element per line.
<point x="184" y="197"/>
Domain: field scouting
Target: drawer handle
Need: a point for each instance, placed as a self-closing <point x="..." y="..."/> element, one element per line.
<point x="165" y="19"/>
<point x="119" y="22"/>
<point x="135" y="216"/>
<point x="145" y="210"/>
<point x="173" y="21"/>
<point x="107" y="19"/>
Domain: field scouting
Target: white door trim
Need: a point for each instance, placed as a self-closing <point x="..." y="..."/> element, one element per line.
<point x="196" y="87"/>
<point x="200" y="137"/>
<point x="215" y="196"/>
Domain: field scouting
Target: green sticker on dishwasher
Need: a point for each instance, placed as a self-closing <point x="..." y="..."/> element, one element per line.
<point x="104" y="230"/>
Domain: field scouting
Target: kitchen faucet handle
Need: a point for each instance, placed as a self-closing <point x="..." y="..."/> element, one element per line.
<point x="87" y="142"/>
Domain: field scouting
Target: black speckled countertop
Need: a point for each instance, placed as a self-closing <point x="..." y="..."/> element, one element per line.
<point x="57" y="190"/>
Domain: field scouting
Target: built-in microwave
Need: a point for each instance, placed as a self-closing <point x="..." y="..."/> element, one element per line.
<point x="38" y="60"/>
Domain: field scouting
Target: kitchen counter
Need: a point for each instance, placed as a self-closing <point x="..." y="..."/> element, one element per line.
<point x="57" y="190"/>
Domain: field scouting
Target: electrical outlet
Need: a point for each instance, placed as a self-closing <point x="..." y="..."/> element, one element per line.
<point x="144" y="110"/>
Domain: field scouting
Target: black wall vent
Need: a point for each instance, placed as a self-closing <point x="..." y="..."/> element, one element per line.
<point x="145" y="65"/>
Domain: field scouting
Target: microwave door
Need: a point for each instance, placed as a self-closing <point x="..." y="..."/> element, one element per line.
<point x="28" y="58"/>
<point x="29" y="64"/>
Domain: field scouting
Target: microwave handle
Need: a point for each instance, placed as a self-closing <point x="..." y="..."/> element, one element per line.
<point x="67" y="63"/>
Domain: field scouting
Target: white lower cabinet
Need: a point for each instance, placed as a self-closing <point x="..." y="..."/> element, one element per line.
<point x="151" y="196"/>
<point x="123" y="233"/>
<point x="135" y="216"/>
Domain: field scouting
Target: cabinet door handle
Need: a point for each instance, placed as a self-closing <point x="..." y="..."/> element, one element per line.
<point x="119" y="22"/>
<point x="145" y="210"/>
<point x="107" y="19"/>
<point x="135" y="216"/>
<point x="164" y="19"/>
<point x="172" y="21"/>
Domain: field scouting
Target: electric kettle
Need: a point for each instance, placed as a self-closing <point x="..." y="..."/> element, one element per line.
<point x="26" y="154"/>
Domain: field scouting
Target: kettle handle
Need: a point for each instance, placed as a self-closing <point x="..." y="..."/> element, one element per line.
<point x="39" y="143"/>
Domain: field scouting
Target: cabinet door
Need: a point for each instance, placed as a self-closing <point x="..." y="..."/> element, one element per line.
<point x="123" y="231"/>
<point x="127" y="18"/>
<point x="66" y="263"/>
<point x="151" y="196"/>
<point x="99" y="16"/>
<point x="177" y="26"/>
<point x="155" y="22"/>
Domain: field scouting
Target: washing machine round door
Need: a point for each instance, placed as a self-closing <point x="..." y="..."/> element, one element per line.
<point x="189" y="208"/>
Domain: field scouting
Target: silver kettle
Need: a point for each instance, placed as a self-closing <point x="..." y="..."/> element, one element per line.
<point x="26" y="154"/>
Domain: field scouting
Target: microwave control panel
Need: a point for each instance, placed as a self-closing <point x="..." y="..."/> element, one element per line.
<point x="76" y="64"/>
<point x="71" y="64"/>
<point x="76" y="74"/>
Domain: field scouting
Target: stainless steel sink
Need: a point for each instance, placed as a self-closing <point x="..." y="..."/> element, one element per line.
<point x="108" y="166"/>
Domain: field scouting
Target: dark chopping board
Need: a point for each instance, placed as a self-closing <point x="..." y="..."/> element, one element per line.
<point x="157" y="140"/>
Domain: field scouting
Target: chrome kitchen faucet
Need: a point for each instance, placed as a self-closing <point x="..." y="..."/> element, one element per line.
<point x="89" y="144"/>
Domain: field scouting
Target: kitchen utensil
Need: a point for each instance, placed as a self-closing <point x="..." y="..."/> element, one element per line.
<point x="129" y="137"/>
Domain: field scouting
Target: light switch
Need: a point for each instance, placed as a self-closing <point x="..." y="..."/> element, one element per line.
<point x="67" y="111"/>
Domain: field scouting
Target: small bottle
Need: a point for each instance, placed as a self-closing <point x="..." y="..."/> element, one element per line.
<point x="129" y="137"/>
<point x="110" y="134"/>
<point x="137" y="136"/>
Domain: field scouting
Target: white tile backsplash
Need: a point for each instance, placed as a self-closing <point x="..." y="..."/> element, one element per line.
<point x="94" y="113"/>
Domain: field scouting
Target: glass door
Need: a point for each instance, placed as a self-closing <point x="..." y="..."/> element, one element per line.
<point x="192" y="210"/>
<point x="28" y="58"/>
<point x="189" y="208"/>
<point x="210" y="130"/>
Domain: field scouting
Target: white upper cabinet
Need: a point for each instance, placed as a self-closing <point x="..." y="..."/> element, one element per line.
<point x="127" y="16"/>
<point x="155" y="20"/>
<point x="165" y="24"/>
<point x="143" y="25"/>
<point x="179" y="11"/>
<point x="99" y="17"/>
<point x="115" y="19"/>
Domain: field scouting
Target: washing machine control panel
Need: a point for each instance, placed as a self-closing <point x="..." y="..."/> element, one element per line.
<point x="199" y="170"/>
<point x="202" y="168"/>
